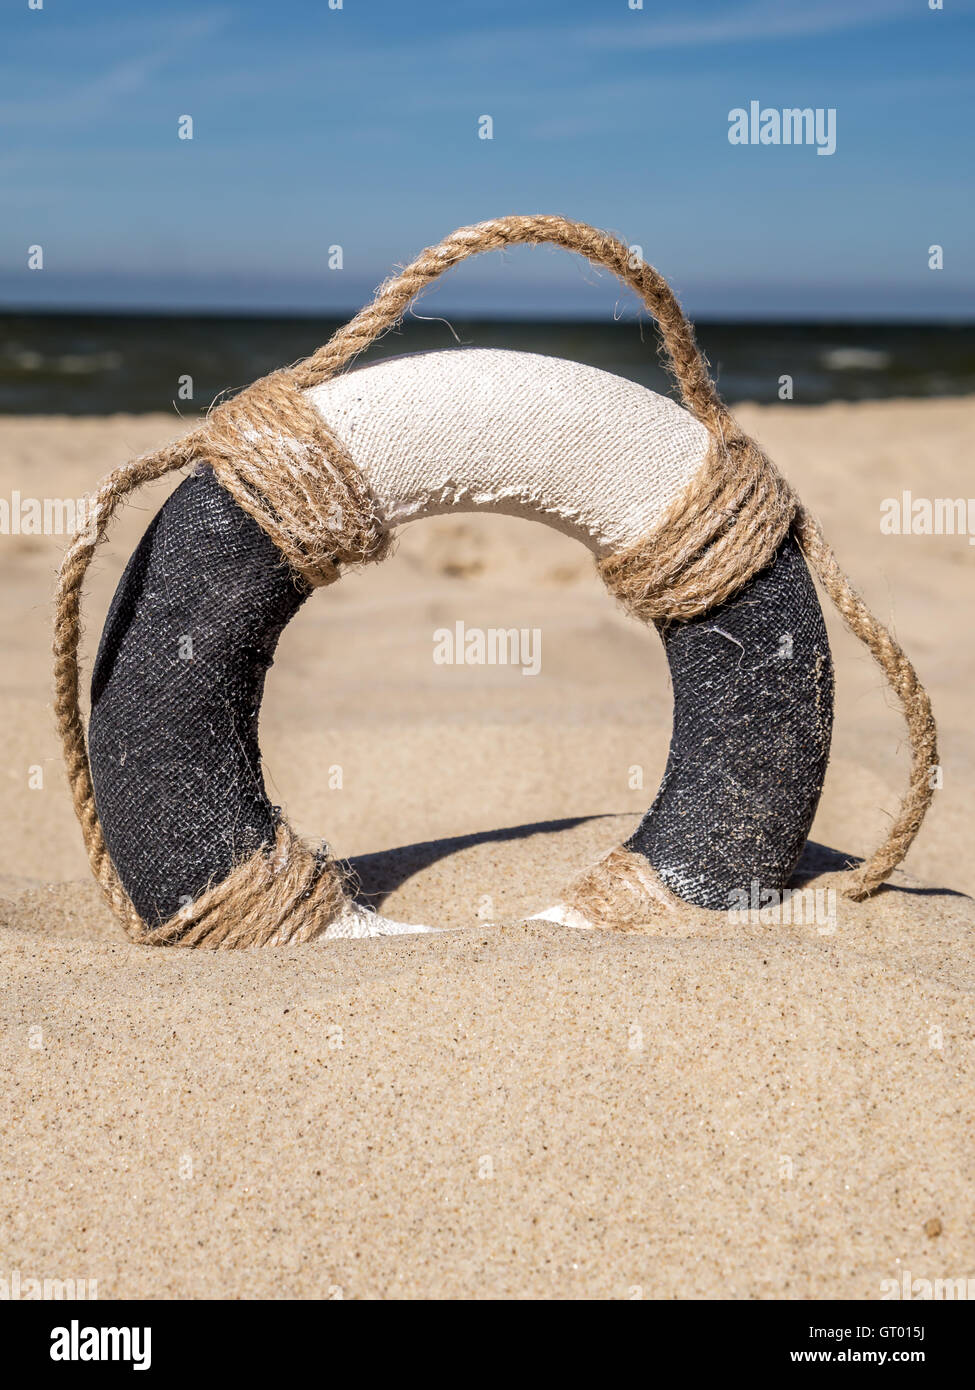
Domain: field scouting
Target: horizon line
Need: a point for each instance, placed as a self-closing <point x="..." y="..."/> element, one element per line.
<point x="906" y="317"/>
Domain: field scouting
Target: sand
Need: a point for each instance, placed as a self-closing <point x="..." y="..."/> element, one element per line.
<point x="717" y="1110"/>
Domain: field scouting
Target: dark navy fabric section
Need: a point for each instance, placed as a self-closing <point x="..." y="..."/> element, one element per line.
<point x="176" y="693"/>
<point x="753" y="718"/>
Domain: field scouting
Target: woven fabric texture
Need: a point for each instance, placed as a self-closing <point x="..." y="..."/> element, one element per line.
<point x="175" y="697"/>
<point x="592" y="454"/>
<point x="753" y="719"/>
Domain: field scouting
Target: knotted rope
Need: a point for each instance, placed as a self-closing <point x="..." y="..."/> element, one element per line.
<point x="274" y="453"/>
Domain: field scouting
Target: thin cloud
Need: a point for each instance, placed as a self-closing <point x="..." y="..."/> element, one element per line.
<point x="99" y="94"/>
<point x="751" y="23"/>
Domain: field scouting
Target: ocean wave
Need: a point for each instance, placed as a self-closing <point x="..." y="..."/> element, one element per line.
<point x="855" y="359"/>
<point x="15" y="359"/>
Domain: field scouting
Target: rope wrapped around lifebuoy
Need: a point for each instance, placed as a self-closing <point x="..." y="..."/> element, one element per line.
<point x="280" y="473"/>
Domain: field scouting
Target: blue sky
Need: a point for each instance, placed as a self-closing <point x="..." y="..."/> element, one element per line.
<point x="359" y="127"/>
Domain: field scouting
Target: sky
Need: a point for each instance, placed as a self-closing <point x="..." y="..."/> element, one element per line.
<point x="358" y="127"/>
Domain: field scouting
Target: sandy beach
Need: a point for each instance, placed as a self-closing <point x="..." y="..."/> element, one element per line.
<point x="756" y="1110"/>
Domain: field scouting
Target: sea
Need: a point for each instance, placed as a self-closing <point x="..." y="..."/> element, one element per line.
<point x="96" y="364"/>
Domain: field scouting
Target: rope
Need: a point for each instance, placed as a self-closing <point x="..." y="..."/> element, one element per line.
<point x="621" y="893"/>
<point x="272" y="451"/>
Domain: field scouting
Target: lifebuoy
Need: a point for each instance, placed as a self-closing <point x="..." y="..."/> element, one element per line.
<point x="310" y="469"/>
<point x="173" y="737"/>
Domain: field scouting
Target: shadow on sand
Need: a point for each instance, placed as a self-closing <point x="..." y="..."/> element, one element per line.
<point x="382" y="873"/>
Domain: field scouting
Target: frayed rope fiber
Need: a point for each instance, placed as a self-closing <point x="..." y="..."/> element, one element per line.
<point x="621" y="893"/>
<point x="272" y="451"/>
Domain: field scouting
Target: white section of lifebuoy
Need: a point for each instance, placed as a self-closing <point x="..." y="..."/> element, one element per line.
<point x="356" y="921"/>
<point x="562" y="916"/>
<point x="596" y="456"/>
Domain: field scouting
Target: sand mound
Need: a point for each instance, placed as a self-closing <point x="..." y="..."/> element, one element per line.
<point x="770" y="1109"/>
